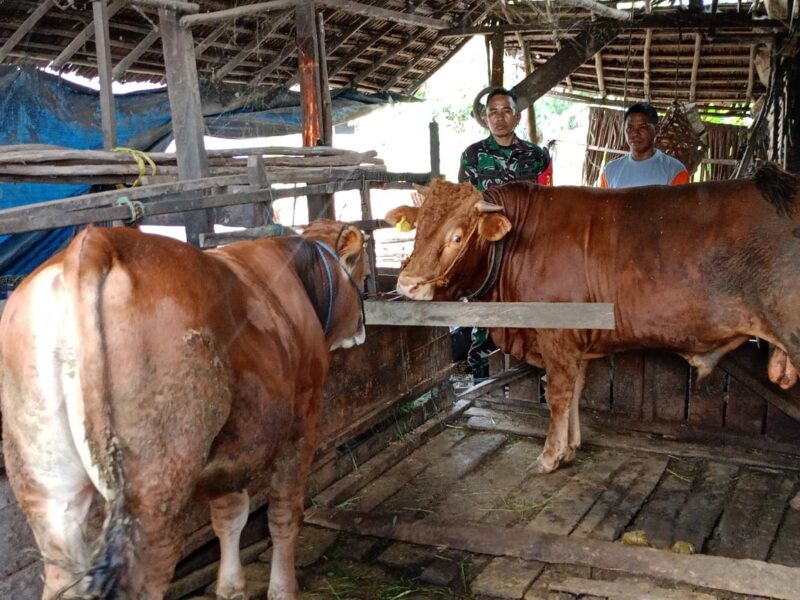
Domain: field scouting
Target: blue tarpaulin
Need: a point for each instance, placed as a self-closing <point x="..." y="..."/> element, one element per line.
<point x="39" y="108"/>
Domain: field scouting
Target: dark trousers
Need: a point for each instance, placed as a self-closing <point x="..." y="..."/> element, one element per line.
<point x="480" y="349"/>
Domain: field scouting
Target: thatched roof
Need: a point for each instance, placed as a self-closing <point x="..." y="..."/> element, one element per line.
<point x="373" y="51"/>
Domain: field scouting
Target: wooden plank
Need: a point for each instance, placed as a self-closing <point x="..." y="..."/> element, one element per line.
<point x="597" y="390"/>
<point x="666" y="380"/>
<point x="486" y="489"/>
<point x="123" y="65"/>
<point x="786" y="548"/>
<point x="377" y="465"/>
<point x="752" y="518"/>
<point x="612" y="513"/>
<point x="745" y="411"/>
<point x="185" y="108"/>
<point x="230" y="14"/>
<point x="570" y="315"/>
<point x="702" y="509"/>
<point x="659" y="515"/>
<point x="176" y="5"/>
<point x="747" y="376"/>
<point x="574" y="53"/>
<point x="375" y="12"/>
<point x="662" y="20"/>
<point x="108" y="113"/>
<point x="714" y="572"/>
<point x="780" y="426"/>
<point x="526" y="389"/>
<point x="436" y="481"/>
<point x="628" y="384"/>
<point x="26" y="27"/>
<point x="83" y="36"/>
<point x="698" y="45"/>
<point x="241" y="56"/>
<point x="623" y="590"/>
<point x="378" y="490"/>
<point x="574" y="500"/>
<point x="707" y="399"/>
<point x="530" y="425"/>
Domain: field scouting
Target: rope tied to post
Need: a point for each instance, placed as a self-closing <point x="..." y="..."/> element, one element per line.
<point x="142" y="159"/>
<point x="136" y="208"/>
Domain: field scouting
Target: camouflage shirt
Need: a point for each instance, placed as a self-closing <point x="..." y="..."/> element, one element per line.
<point x="487" y="163"/>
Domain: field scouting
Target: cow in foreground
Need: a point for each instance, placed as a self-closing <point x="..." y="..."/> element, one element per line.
<point x="695" y="269"/>
<point x="154" y="373"/>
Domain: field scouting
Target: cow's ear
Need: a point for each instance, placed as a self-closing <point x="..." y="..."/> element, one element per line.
<point x="493" y="226"/>
<point x="350" y="243"/>
<point x="405" y="217"/>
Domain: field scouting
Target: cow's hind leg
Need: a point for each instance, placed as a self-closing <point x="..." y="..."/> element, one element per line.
<point x="290" y="470"/>
<point x="228" y="517"/>
<point x="565" y="378"/>
<point x="56" y="499"/>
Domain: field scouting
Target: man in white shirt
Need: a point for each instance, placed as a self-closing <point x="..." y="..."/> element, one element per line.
<point x="644" y="164"/>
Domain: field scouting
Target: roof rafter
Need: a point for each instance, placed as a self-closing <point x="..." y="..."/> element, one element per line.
<point x="25" y="28"/>
<point x="135" y="54"/>
<point x="84" y="36"/>
<point x="250" y="48"/>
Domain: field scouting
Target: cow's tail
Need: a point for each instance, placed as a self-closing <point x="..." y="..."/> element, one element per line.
<point x="87" y="264"/>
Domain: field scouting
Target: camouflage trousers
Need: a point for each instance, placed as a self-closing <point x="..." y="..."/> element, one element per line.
<point x="480" y="349"/>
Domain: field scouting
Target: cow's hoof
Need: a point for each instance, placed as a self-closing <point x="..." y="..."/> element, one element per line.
<point x="538" y="468"/>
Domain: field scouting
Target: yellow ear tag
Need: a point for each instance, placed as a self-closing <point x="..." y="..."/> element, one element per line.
<point x="403" y="225"/>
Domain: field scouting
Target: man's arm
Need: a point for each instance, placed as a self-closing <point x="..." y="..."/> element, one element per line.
<point x="468" y="169"/>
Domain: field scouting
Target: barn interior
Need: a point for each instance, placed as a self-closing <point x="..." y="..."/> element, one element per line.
<point x="421" y="489"/>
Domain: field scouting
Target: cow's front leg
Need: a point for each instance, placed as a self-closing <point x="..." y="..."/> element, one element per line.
<point x="565" y="378"/>
<point x="228" y="517"/>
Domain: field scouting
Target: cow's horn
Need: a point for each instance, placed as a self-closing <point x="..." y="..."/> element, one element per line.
<point x="485" y="207"/>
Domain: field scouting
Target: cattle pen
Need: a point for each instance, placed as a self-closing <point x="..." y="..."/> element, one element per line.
<point x="421" y="485"/>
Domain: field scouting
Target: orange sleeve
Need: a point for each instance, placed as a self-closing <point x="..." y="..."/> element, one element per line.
<point x="603" y="182"/>
<point x="546" y="176"/>
<point x="681" y="177"/>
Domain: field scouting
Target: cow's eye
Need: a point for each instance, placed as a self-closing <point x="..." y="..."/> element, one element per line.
<point x="456" y="239"/>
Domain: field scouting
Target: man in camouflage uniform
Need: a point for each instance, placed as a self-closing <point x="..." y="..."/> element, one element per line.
<point x="498" y="159"/>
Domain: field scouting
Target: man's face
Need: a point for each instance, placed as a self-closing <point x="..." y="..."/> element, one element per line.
<point x="501" y="116"/>
<point x="640" y="133"/>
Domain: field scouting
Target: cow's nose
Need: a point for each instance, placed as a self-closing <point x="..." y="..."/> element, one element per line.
<point x="408" y="286"/>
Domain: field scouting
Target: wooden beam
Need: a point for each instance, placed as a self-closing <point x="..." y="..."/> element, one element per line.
<point x="598" y="67"/>
<point x="698" y="45"/>
<point x="574" y="53"/>
<point x="497" y="42"/>
<point x="234" y="13"/>
<point x="375" y="12"/>
<point x="84" y="36"/>
<point x="660" y="21"/>
<point x="410" y="65"/>
<point x="176" y="5"/>
<point x="326" y="110"/>
<point x="212" y="37"/>
<point x="749" y="577"/>
<point x="187" y="117"/>
<point x="566" y="315"/>
<point x="360" y="49"/>
<point x="308" y="68"/>
<point x="242" y="55"/>
<point x="108" y="114"/>
<point x="600" y="9"/>
<point x="533" y="130"/>
<point x="648" y="40"/>
<point x="388" y="55"/>
<point x="134" y="55"/>
<point x="751" y="73"/>
<point x="25" y="28"/>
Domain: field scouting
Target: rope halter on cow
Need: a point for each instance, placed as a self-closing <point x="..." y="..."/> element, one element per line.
<point x="322" y="249"/>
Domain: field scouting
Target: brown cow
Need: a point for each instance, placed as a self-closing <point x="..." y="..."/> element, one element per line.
<point x="153" y="372"/>
<point x="696" y="269"/>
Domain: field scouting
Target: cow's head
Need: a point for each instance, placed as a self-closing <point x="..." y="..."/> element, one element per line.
<point x="349" y="243"/>
<point x="455" y="226"/>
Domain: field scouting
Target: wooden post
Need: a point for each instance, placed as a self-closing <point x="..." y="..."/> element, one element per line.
<point x="433" y="131"/>
<point x="311" y="96"/>
<point x="187" y="118"/>
<point x="793" y="108"/>
<point x="497" y="41"/>
<point x="366" y="215"/>
<point x="108" y="115"/>
<point x="533" y="130"/>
